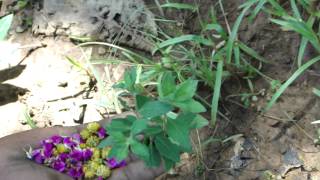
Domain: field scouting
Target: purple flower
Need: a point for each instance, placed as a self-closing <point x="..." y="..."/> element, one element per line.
<point x="68" y="141"/>
<point x="56" y="139"/>
<point x="102" y="133"/>
<point x="63" y="157"/>
<point x="77" y="138"/>
<point x="112" y="163"/>
<point x="37" y="156"/>
<point x="87" y="154"/>
<point x="100" y="178"/>
<point x="76" y="155"/>
<point x="59" y="166"/>
<point x="47" y="149"/>
<point x="75" y="172"/>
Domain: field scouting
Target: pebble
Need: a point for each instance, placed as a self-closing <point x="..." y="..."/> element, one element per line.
<point x="20" y="29"/>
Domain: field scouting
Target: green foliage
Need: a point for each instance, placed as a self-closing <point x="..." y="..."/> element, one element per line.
<point x="5" y="23"/>
<point x="165" y="134"/>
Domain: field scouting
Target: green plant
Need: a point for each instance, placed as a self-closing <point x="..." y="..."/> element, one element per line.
<point x="5" y="23"/>
<point x="161" y="123"/>
<point x="293" y="21"/>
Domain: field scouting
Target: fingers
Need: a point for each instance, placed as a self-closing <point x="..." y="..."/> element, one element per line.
<point x="136" y="170"/>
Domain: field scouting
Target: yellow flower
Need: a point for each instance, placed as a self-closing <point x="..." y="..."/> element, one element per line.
<point x="85" y="134"/>
<point x="105" y="152"/>
<point x="93" y="141"/>
<point x="103" y="171"/>
<point x="93" y="127"/>
<point x="96" y="153"/>
<point x="61" y="148"/>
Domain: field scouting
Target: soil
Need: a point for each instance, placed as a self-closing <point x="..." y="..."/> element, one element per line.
<point x="277" y="144"/>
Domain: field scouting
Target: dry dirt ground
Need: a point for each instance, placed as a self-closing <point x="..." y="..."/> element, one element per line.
<point x="278" y="144"/>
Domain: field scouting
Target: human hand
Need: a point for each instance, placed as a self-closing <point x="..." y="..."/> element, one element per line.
<point x="14" y="163"/>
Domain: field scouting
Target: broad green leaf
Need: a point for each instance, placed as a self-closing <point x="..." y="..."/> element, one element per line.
<point x="167" y="149"/>
<point x="216" y="93"/>
<point x="294" y="76"/>
<point x="106" y="142"/>
<point x="139" y="149"/>
<point x="191" y="106"/>
<point x="121" y="124"/>
<point x="166" y="84"/>
<point x="153" y="130"/>
<point x="154" y="108"/>
<point x="186" y="90"/>
<point x="199" y="122"/>
<point x="179" y="131"/>
<point x="141" y="100"/>
<point x="168" y="164"/>
<point x="119" y="151"/>
<point x="130" y="78"/>
<point x="154" y="158"/>
<point x="138" y="126"/>
<point x="5" y="23"/>
<point x="180" y="6"/>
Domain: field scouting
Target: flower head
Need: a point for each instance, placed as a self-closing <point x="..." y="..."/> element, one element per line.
<point x="59" y="166"/>
<point x="112" y="163"/>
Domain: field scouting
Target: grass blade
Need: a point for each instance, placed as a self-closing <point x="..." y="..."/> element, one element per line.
<point x="29" y="120"/>
<point x="283" y="87"/>
<point x="257" y="9"/>
<point x="295" y="9"/>
<point x="180" y="39"/>
<point x="5" y="23"/>
<point x="251" y="52"/>
<point x="180" y="6"/>
<point x="233" y="34"/>
<point x="316" y="91"/>
<point x="216" y="93"/>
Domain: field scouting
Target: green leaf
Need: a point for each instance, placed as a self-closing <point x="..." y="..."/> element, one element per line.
<point x="119" y="151"/>
<point x="109" y="141"/>
<point x="154" y="108"/>
<point x="141" y="150"/>
<point x="154" y="158"/>
<point x="316" y="91"/>
<point x="180" y="6"/>
<point x="186" y="90"/>
<point x="199" y="122"/>
<point x="233" y="34"/>
<point x="121" y="124"/>
<point x="138" y="126"/>
<point x="294" y="76"/>
<point x="166" y="84"/>
<point x="179" y="131"/>
<point x="167" y="149"/>
<point x="216" y="93"/>
<point x="191" y="106"/>
<point x="184" y="38"/>
<point x="153" y="130"/>
<point x="130" y="78"/>
<point x="168" y="164"/>
<point x="5" y="23"/>
<point x="141" y="100"/>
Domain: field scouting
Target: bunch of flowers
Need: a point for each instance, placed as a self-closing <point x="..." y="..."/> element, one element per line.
<point x="77" y="155"/>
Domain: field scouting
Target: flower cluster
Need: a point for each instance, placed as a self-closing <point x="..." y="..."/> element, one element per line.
<point x="78" y="154"/>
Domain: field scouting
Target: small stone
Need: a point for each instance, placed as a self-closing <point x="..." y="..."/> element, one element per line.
<point x="21" y="29"/>
<point x="102" y="51"/>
